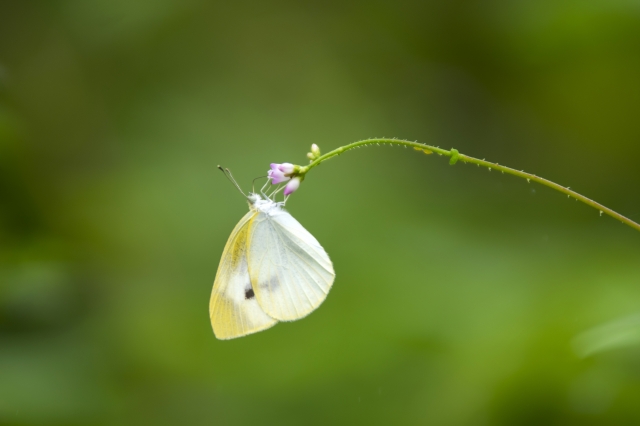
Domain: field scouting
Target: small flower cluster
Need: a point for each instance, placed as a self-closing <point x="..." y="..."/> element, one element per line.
<point x="287" y="172"/>
<point x="315" y="152"/>
<point x="282" y="173"/>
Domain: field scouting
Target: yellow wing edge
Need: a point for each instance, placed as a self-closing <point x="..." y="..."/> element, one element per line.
<point x="226" y="316"/>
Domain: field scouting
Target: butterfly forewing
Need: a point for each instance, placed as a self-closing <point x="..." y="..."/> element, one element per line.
<point x="233" y="308"/>
<point x="290" y="272"/>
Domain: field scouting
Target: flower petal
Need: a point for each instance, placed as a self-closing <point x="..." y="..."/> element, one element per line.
<point x="292" y="186"/>
<point x="286" y="168"/>
<point x="277" y="176"/>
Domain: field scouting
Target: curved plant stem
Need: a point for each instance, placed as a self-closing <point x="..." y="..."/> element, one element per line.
<point x="455" y="156"/>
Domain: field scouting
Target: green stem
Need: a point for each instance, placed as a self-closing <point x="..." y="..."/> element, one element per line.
<point x="455" y="156"/>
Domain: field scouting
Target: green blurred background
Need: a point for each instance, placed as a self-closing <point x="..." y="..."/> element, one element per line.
<point x="458" y="293"/>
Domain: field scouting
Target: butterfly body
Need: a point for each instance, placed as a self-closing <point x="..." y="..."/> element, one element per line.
<point x="271" y="270"/>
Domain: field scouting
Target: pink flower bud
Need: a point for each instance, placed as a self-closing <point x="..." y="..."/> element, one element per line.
<point x="286" y="168"/>
<point x="277" y="176"/>
<point x="292" y="186"/>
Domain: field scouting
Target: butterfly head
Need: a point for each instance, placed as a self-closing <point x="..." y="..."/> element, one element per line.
<point x="265" y="205"/>
<point x="253" y="198"/>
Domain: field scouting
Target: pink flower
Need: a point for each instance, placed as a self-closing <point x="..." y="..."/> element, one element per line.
<point x="287" y="168"/>
<point x="292" y="185"/>
<point x="285" y="172"/>
<point x="277" y="175"/>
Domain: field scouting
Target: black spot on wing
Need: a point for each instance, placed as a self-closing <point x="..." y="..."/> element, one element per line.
<point x="249" y="294"/>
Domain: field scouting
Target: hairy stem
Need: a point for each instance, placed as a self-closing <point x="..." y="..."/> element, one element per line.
<point x="455" y="157"/>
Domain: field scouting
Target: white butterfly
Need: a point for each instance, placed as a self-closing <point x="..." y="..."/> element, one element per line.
<point x="272" y="269"/>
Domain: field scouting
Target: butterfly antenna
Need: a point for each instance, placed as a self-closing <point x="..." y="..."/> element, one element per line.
<point x="229" y="176"/>
<point x="253" y="183"/>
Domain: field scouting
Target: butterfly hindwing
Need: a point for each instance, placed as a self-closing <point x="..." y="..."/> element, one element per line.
<point x="290" y="272"/>
<point x="233" y="308"/>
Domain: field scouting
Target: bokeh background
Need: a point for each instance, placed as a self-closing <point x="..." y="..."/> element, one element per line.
<point x="460" y="293"/>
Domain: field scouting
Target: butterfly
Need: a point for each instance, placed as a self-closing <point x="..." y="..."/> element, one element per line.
<point x="272" y="269"/>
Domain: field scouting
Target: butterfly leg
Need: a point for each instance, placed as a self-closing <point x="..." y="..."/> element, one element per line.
<point x="275" y="192"/>
<point x="262" y="189"/>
